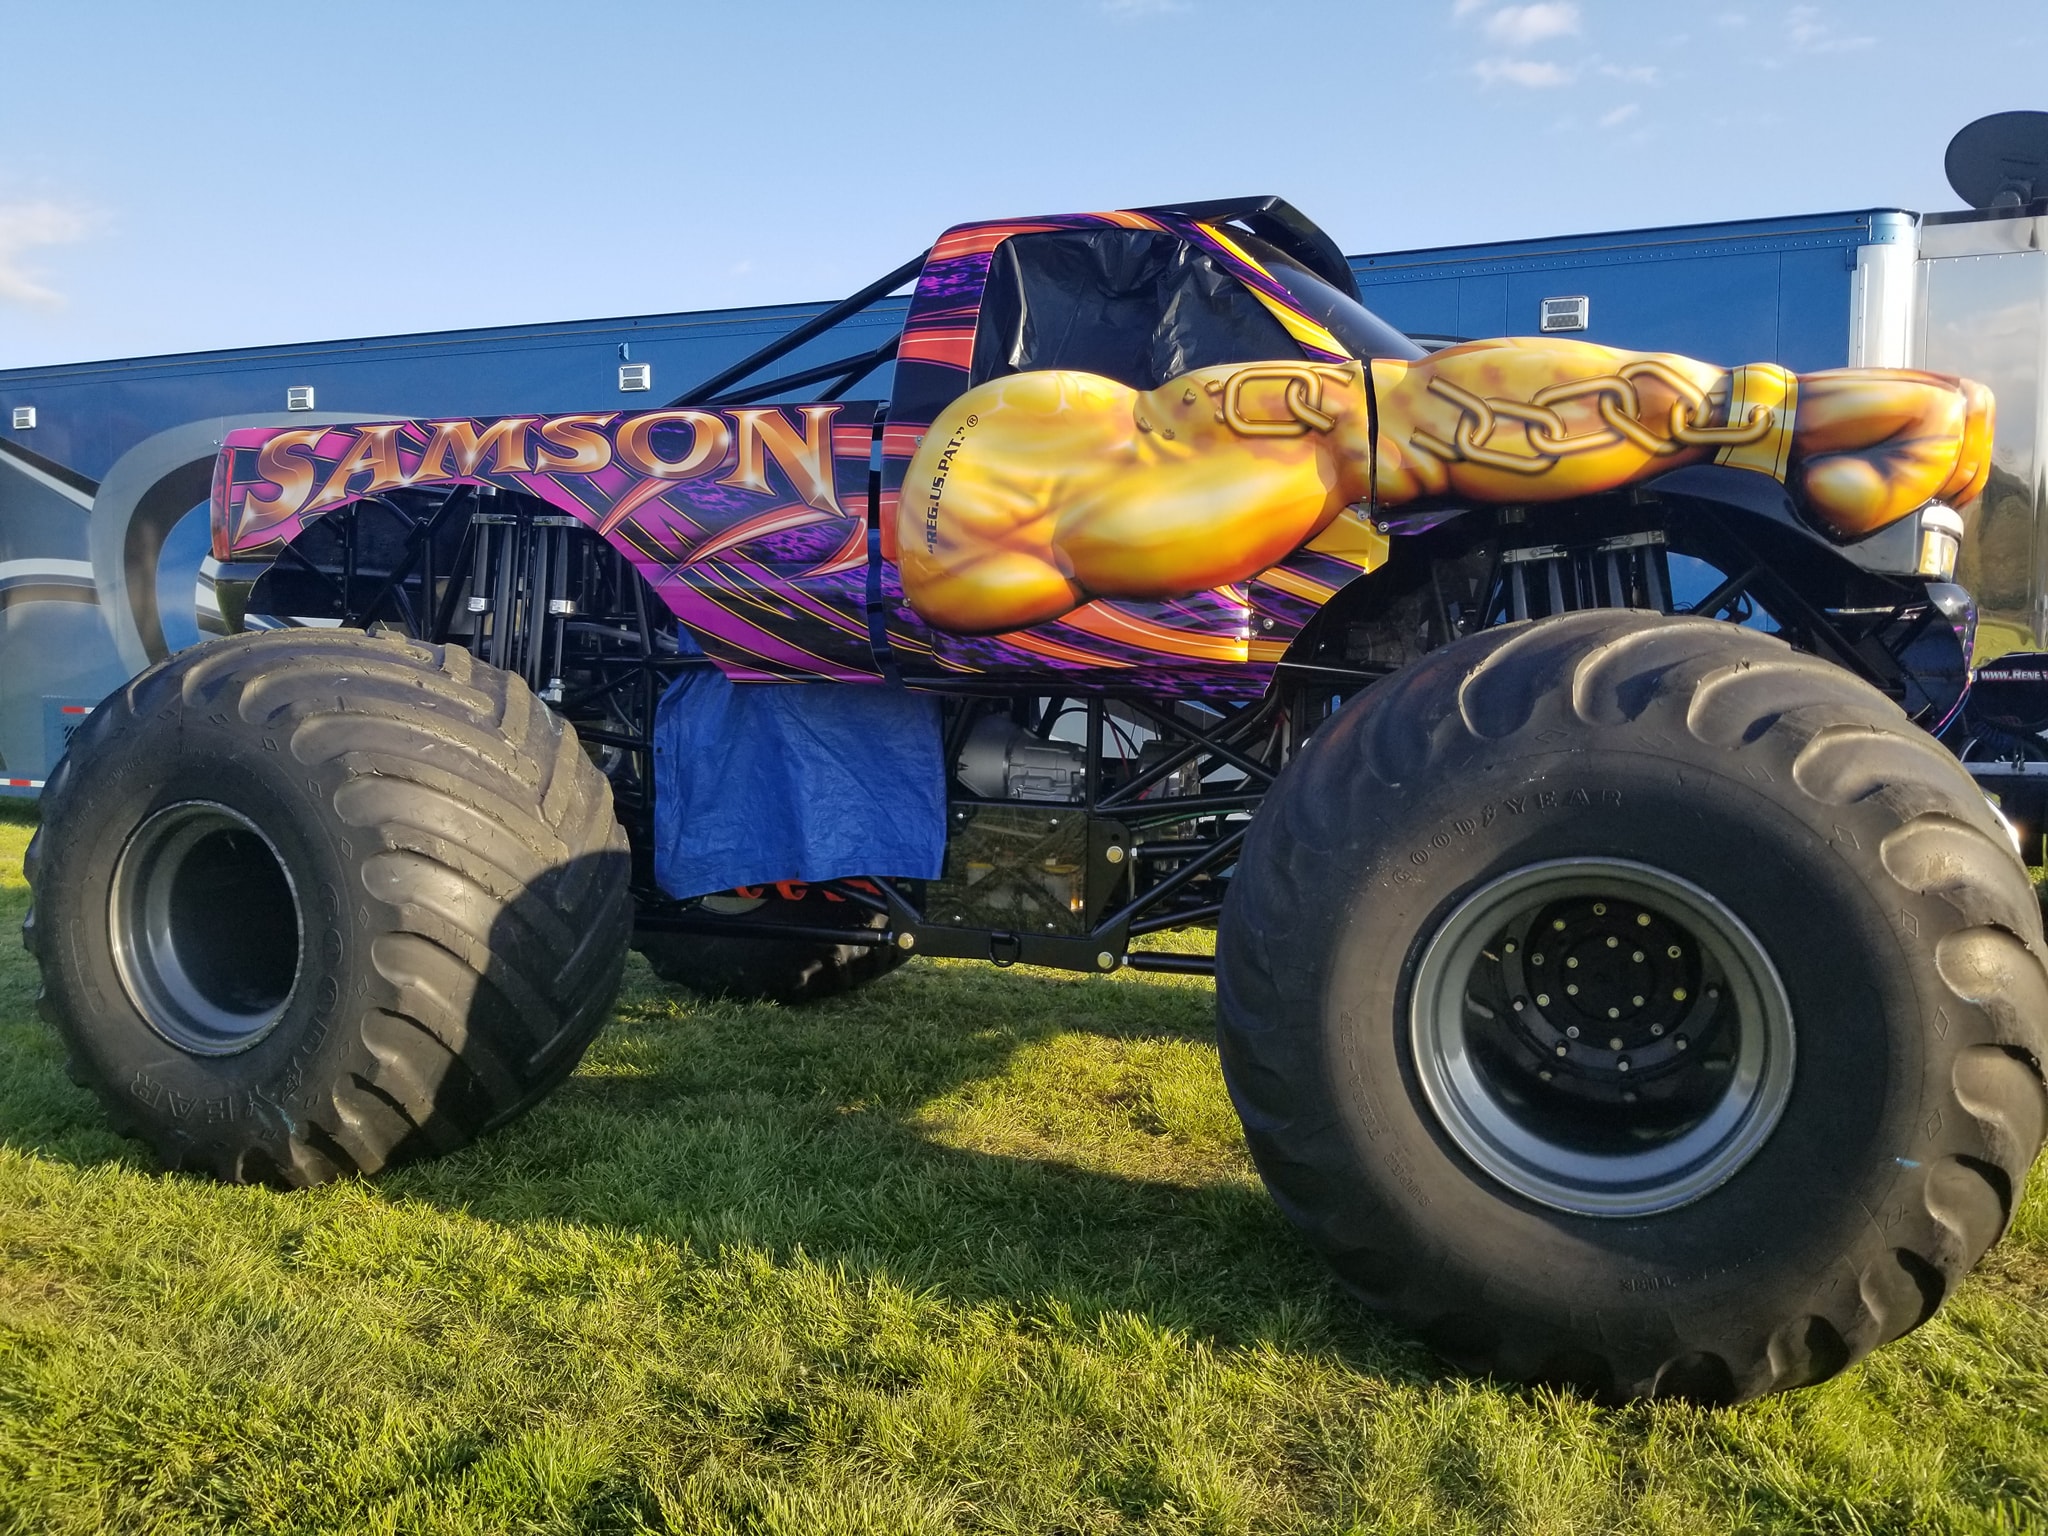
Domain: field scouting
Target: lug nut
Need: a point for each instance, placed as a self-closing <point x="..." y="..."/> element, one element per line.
<point x="1674" y="951"/>
<point x="1638" y="957"/>
<point x="1557" y="923"/>
<point x="1561" y="1050"/>
<point x="1642" y="919"/>
<point x="1657" y="1029"/>
<point x="1615" y="1043"/>
<point x="1621" y="1065"/>
<point x="1613" y="942"/>
<point x="1571" y="962"/>
<point x="1678" y="994"/>
<point x="1599" y="909"/>
<point x="1679" y="1042"/>
<point x="1521" y="1003"/>
<point x="1635" y="1002"/>
<point x="1542" y="999"/>
<point x="1571" y="989"/>
<point x="1571" y="1031"/>
<point x="1614" y="1013"/>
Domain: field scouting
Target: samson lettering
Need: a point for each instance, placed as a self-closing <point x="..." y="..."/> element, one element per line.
<point x="304" y="472"/>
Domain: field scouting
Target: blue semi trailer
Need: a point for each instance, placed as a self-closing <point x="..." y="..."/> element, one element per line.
<point x="104" y="467"/>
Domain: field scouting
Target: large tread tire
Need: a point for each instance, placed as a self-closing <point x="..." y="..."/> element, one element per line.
<point x="459" y="881"/>
<point x="1862" y="856"/>
<point x="789" y="972"/>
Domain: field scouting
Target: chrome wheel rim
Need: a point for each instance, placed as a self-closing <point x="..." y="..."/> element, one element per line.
<point x="1601" y="1036"/>
<point x="206" y="928"/>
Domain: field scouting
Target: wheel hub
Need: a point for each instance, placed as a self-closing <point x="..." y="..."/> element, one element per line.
<point x="1601" y="1036"/>
<point x="205" y="927"/>
<point x="1605" y="999"/>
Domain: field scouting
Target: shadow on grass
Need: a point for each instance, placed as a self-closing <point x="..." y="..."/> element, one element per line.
<point x="1060" y="1146"/>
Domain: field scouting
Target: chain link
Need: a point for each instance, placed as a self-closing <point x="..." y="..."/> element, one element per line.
<point x="1304" y="398"/>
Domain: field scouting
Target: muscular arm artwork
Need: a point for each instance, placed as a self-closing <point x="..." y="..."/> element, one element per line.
<point x="1036" y="493"/>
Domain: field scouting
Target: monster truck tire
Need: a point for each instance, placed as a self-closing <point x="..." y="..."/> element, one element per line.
<point x="1839" y="890"/>
<point x="774" y="970"/>
<point x="309" y="903"/>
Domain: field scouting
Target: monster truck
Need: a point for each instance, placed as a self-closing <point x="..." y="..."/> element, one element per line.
<point x="1615" y="979"/>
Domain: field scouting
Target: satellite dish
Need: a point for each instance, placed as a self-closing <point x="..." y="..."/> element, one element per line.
<point x="2000" y="161"/>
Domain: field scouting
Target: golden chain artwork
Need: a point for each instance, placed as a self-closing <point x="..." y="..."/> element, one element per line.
<point x="1061" y="489"/>
<point x="1620" y="409"/>
<point x="1304" y="398"/>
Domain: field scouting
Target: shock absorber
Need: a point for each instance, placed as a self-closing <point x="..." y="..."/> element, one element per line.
<point x="1626" y="571"/>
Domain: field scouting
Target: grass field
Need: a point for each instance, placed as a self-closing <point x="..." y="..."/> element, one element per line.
<point x="975" y="1250"/>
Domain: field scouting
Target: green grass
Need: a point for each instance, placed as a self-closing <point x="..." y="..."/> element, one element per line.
<point x="975" y="1250"/>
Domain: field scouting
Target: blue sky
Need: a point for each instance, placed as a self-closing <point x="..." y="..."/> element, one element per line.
<point x="223" y="174"/>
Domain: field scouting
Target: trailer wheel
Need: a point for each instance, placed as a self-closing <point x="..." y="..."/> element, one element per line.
<point x="783" y="971"/>
<point x="310" y="903"/>
<point x="1636" y="1003"/>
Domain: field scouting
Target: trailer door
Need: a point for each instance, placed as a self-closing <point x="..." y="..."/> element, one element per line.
<point x="1983" y="313"/>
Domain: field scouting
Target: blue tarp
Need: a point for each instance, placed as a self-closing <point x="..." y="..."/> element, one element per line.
<point x="759" y="782"/>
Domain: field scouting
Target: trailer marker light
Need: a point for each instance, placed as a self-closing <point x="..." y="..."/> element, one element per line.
<point x="634" y="376"/>
<point x="299" y="397"/>
<point x="24" y="417"/>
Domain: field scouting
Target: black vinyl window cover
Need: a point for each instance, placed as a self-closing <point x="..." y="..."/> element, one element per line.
<point x="1132" y="305"/>
<point x="1143" y="307"/>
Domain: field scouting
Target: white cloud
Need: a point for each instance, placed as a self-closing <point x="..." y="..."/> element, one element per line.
<point x="1620" y="115"/>
<point x="1638" y="74"/>
<point x="24" y="227"/>
<point x="1731" y="19"/>
<point x="1533" y="74"/>
<point x="1523" y="26"/>
<point x="1463" y="8"/>
<point x="1807" y="33"/>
